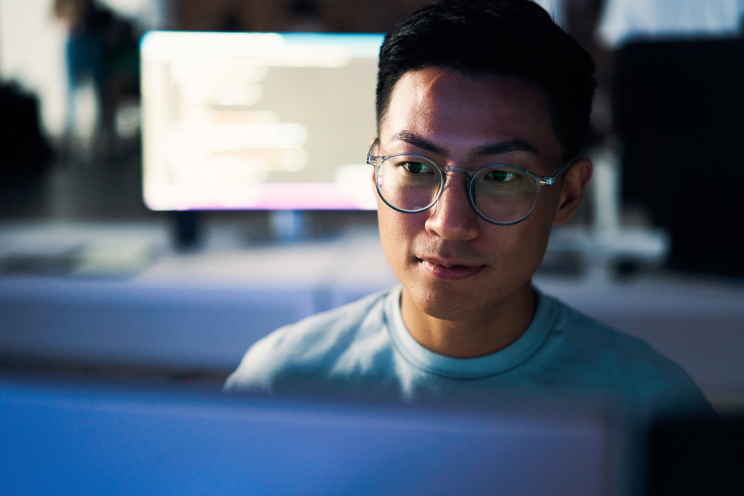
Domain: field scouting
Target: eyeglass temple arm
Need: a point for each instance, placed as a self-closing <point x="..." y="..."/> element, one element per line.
<point x="548" y="181"/>
<point x="369" y="153"/>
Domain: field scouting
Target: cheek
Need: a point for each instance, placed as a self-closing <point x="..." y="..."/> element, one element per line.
<point x="534" y="232"/>
<point x="522" y="246"/>
<point x="397" y="232"/>
<point x="389" y="236"/>
<point x="547" y="207"/>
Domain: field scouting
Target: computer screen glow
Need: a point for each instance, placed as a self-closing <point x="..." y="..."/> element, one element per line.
<point x="258" y="120"/>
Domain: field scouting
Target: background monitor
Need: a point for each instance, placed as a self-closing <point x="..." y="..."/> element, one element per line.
<point x="261" y="121"/>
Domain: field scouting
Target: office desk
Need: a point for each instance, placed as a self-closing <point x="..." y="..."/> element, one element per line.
<point x="201" y="310"/>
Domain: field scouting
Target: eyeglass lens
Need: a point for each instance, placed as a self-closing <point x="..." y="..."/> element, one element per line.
<point x="412" y="183"/>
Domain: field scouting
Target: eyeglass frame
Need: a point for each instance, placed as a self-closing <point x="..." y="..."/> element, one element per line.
<point x="540" y="182"/>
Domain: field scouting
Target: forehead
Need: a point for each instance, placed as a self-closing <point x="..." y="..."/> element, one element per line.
<point x="460" y="110"/>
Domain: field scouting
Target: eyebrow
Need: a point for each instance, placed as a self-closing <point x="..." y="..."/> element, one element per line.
<point x="511" y="145"/>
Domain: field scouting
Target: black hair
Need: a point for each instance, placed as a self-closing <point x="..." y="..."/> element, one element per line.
<point x="510" y="38"/>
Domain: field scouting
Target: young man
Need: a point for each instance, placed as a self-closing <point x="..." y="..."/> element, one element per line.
<point x="482" y="108"/>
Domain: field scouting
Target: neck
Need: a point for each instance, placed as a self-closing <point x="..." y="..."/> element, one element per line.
<point x="488" y="331"/>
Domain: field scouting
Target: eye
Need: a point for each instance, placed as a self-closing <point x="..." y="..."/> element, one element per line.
<point x="416" y="167"/>
<point x="501" y="176"/>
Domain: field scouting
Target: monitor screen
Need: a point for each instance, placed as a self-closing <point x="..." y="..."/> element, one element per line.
<point x="68" y="439"/>
<point x="261" y="121"/>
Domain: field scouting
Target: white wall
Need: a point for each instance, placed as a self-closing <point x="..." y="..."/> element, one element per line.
<point x="32" y="45"/>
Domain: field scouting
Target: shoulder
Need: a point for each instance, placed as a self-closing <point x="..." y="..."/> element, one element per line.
<point x="583" y="334"/>
<point x="310" y="346"/>
<point x="622" y="363"/>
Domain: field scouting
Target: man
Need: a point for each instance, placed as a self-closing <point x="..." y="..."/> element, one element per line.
<point x="482" y="107"/>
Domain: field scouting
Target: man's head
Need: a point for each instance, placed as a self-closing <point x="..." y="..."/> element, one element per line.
<point x="469" y="84"/>
<point x="511" y="38"/>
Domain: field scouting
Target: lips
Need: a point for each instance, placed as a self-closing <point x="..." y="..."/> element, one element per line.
<point x="450" y="270"/>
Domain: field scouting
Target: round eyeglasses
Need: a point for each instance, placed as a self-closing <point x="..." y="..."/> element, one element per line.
<point x="500" y="194"/>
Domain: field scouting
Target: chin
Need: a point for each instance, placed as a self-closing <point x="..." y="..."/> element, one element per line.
<point x="446" y="304"/>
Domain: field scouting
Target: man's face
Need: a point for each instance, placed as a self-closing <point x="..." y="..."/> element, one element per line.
<point x="452" y="264"/>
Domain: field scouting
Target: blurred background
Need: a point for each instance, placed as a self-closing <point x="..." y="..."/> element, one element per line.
<point x="95" y="284"/>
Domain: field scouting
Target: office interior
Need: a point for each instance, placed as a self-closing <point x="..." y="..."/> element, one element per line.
<point x="97" y="287"/>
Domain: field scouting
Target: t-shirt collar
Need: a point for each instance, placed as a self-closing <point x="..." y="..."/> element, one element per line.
<point x="469" y="368"/>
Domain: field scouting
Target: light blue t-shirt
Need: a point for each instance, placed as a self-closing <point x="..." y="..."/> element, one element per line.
<point x="365" y="347"/>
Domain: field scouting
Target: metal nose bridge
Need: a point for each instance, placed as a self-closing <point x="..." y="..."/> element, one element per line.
<point x="458" y="169"/>
<point x="468" y="180"/>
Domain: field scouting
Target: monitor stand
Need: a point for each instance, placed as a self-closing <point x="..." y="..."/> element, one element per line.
<point x="287" y="226"/>
<point x="187" y="229"/>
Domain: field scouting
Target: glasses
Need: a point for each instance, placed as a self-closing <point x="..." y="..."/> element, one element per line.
<point x="500" y="194"/>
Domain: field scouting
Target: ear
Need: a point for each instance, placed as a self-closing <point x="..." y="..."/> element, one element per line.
<point x="575" y="180"/>
<point x="369" y="145"/>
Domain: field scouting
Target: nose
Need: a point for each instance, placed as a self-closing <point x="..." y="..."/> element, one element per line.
<point x="452" y="217"/>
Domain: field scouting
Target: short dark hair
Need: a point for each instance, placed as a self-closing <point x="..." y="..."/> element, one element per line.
<point x="510" y="38"/>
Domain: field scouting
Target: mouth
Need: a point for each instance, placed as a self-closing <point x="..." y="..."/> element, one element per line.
<point x="449" y="270"/>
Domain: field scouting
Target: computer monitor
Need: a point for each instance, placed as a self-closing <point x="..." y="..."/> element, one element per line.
<point x="262" y="121"/>
<point x="68" y="439"/>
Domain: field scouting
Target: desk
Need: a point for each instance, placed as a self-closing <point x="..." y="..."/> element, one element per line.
<point x="202" y="310"/>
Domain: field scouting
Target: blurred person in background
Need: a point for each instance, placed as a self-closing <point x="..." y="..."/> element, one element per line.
<point x="86" y="23"/>
<point x="101" y="48"/>
<point x="482" y="109"/>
